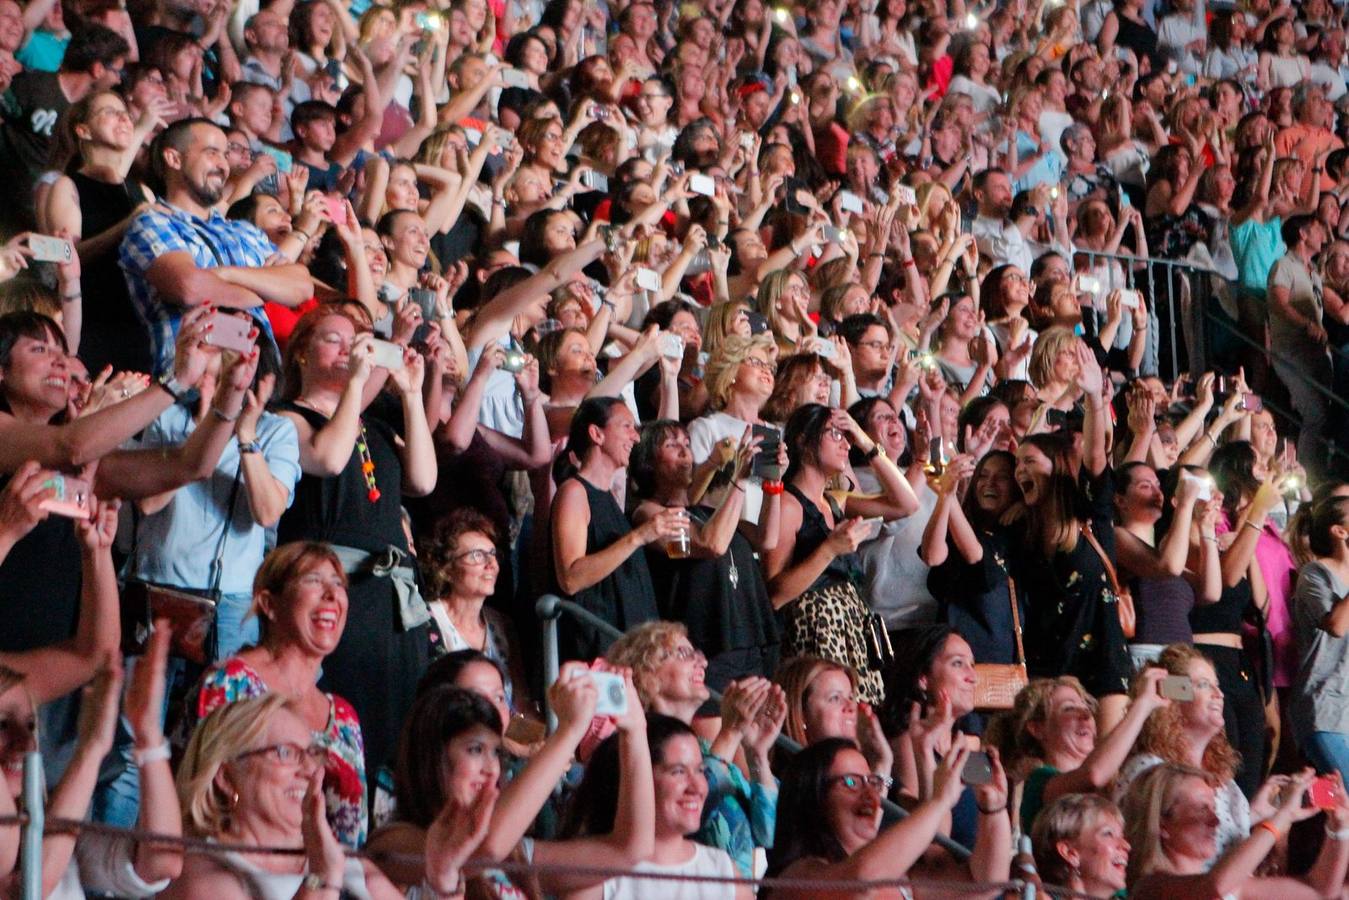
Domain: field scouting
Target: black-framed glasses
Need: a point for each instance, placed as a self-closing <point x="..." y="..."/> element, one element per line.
<point x="853" y="784"/>
<point x="289" y="753"/>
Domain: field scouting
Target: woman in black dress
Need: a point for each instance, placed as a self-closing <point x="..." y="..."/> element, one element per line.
<point x="717" y="590"/>
<point x="1064" y="558"/>
<point x="92" y="204"/>
<point x="595" y="558"/>
<point x="356" y="470"/>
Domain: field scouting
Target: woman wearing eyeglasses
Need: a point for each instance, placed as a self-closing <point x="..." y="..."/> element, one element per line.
<point x="252" y="774"/>
<point x="300" y="599"/>
<point x="460" y="566"/>
<point x="829" y="815"/>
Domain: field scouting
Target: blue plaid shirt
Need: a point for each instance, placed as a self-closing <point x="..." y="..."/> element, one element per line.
<point x="214" y="241"/>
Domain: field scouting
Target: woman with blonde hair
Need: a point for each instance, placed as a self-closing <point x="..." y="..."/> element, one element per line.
<point x="784" y="300"/>
<point x="1053" y="367"/>
<point x="1170" y="823"/>
<point x="1079" y="843"/>
<point x="252" y="775"/>
<point x="723" y="320"/>
<point x="1193" y="733"/>
<point x="822" y="703"/>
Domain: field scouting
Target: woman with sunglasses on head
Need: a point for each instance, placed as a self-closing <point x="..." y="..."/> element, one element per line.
<point x="813" y="572"/>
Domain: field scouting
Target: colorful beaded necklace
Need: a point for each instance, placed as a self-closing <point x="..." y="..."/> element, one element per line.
<point x="367" y="465"/>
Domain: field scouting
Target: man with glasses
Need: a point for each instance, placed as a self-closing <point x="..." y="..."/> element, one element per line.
<point x="34" y="103"/>
<point x="872" y="351"/>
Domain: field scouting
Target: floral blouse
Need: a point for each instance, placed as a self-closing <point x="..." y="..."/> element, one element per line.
<point x="344" y="775"/>
<point x="738" y="814"/>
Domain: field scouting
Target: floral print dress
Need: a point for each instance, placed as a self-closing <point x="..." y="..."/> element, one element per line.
<point x="344" y="773"/>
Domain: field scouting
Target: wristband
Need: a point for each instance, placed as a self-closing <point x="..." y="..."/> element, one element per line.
<point x="306" y="234"/>
<point x="1249" y="524"/>
<point x="1267" y="826"/>
<point x="71" y="298"/>
<point x="151" y="754"/>
<point x="773" y="488"/>
<point x="222" y="415"/>
<point x="874" y="452"/>
<point x="1212" y="440"/>
<point x="314" y="882"/>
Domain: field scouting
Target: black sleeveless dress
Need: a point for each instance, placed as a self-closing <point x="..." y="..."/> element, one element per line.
<point x="113" y="332"/>
<point x="623" y="598"/>
<point x="377" y="663"/>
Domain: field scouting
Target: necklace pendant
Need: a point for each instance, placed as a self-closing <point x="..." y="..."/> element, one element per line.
<point x="734" y="575"/>
<point x="373" y="494"/>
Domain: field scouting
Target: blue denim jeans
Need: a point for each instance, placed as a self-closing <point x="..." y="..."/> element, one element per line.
<point x="117" y="797"/>
<point x="1328" y="751"/>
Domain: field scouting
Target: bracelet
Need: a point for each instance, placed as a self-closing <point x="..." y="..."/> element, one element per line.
<point x="773" y="488"/>
<point x="71" y="298"/>
<point x="249" y="446"/>
<point x="1211" y="540"/>
<point x="990" y="812"/>
<point x="1267" y="826"/>
<point x="873" y="255"/>
<point x="1212" y="440"/>
<point x="151" y="754"/>
<point x="306" y="234"/>
<point x="1341" y="835"/>
<point x="1317" y="169"/>
<point x="1249" y="524"/>
<point x="222" y="415"/>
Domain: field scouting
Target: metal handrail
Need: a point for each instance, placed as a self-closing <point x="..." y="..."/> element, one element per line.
<point x="550" y="608"/>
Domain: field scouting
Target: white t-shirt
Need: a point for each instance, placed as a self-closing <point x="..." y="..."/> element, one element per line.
<point x="704" y="432"/>
<point x="704" y="861"/>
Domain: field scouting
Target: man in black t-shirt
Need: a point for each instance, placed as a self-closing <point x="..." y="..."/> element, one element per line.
<point x="34" y="103"/>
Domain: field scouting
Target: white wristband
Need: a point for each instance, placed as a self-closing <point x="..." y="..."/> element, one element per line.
<point x="151" y="754"/>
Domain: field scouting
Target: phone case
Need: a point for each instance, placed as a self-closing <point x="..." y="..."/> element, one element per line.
<point x="613" y="699"/>
<point x="703" y="184"/>
<point x="230" y="333"/>
<point x="647" y="279"/>
<point x="284" y="161"/>
<point x="388" y="355"/>
<point x="71" y="500"/>
<point x="50" y="249"/>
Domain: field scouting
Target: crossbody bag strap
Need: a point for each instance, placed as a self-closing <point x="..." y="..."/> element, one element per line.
<point x="1105" y="559"/>
<point x="1016" y="621"/>
<point x="217" y="563"/>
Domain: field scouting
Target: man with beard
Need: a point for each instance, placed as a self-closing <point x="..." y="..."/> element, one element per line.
<point x="182" y="252"/>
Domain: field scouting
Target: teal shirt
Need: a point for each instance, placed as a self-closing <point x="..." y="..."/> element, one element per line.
<point x="1033" y="795"/>
<point x="1256" y="246"/>
<point x="43" y="51"/>
<point x="738" y="815"/>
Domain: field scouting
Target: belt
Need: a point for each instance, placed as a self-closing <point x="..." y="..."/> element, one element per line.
<point x="389" y="563"/>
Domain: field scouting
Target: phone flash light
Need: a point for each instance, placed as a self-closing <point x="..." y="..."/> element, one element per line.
<point x="854" y="84"/>
<point x="971" y="21"/>
<point x="780" y="15"/>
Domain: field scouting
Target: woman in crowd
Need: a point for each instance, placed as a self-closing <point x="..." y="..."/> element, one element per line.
<point x="670" y="677"/>
<point x="813" y="571"/>
<point x="447" y="760"/>
<point x="716" y="588"/>
<point x="1079" y="843"/>
<point x="356" y="469"/>
<point x="595" y="549"/>
<point x="300" y="600"/>
<point x="251" y="775"/>
<point x="1158" y="571"/>
<point x="822" y="703"/>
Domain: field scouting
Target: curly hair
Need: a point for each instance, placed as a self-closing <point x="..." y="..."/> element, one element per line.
<point x="796" y="676"/>
<point x="722" y="367"/>
<point x="641" y="649"/>
<point x="436" y="552"/>
<point x="1163" y="733"/>
<point x="1009" y="732"/>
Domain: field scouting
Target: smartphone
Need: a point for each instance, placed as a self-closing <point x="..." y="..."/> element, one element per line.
<point x="1222" y="385"/>
<point x="335" y="208"/>
<point x="747" y="141"/>
<point x="1086" y="284"/>
<point x="613" y="699"/>
<point x="765" y="463"/>
<point x="671" y="345"/>
<point x="1177" y="687"/>
<point x="926" y="360"/>
<point x="595" y="181"/>
<point x="1130" y="299"/>
<point x="1291" y="484"/>
<point x="978" y="768"/>
<point x="284" y="161"/>
<point x="230" y="332"/>
<point x="50" y="249"/>
<point x="1324" y="792"/>
<point x="647" y="279"/>
<point x="428" y="21"/>
<point x="1251" y="403"/>
<point x="514" y="362"/>
<point x="425" y="298"/>
<point x="1205" y="491"/>
<point x="781" y="16"/>
<point x="514" y="78"/>
<point x="791" y="201"/>
<point x="906" y="195"/>
<point x="850" y="202"/>
<point x="874" y="526"/>
<point x="825" y="348"/>
<point x="72" y="497"/>
<point x="388" y="355"/>
<point x="936" y="455"/>
<point x="705" y="185"/>
<point x="599" y="112"/>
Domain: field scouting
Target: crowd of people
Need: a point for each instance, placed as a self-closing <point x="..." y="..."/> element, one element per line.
<point x="958" y="390"/>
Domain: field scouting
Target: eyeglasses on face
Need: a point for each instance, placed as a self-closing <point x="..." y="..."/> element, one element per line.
<point x="288" y="753"/>
<point x="853" y="784"/>
<point x="760" y="363"/>
<point x="476" y="557"/>
<point x="683" y="653"/>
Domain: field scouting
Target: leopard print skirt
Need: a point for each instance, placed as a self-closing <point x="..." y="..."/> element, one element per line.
<point x="831" y="623"/>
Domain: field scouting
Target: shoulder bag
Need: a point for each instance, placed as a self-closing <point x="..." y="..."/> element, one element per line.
<point x="997" y="684"/>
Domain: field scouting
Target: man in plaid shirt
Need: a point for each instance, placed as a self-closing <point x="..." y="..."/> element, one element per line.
<point x="183" y="252"/>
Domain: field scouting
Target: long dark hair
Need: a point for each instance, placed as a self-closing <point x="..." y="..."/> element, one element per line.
<point x="1050" y="522"/>
<point x="437" y="716"/>
<point x="970" y="505"/>
<point x="592" y="411"/>
<point x="1233" y="469"/>
<point x="916" y="650"/>
<point x="802" y="435"/>
<point x="642" y="463"/>
<point x="802" y="821"/>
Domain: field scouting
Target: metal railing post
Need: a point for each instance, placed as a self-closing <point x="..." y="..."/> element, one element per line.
<point x="549" y="608"/>
<point x="34" y="791"/>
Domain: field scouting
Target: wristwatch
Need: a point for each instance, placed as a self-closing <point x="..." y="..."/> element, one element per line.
<point x="314" y="882"/>
<point x="175" y="388"/>
<point x="249" y="447"/>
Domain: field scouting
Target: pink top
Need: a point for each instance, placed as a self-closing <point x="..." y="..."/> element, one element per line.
<point x="1276" y="567"/>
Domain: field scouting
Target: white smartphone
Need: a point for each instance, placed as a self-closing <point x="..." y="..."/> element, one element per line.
<point x="1086" y="284"/>
<point x="50" y="249"/>
<point x="647" y="279"/>
<point x="703" y="184"/>
<point x="613" y="700"/>
<point x="671" y="345"/>
<point x="874" y="526"/>
<point x="514" y="78"/>
<point x="1129" y="299"/>
<point x="850" y="202"/>
<point x="1204" y="493"/>
<point x="230" y="332"/>
<point x="906" y="195"/>
<point x="388" y="355"/>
